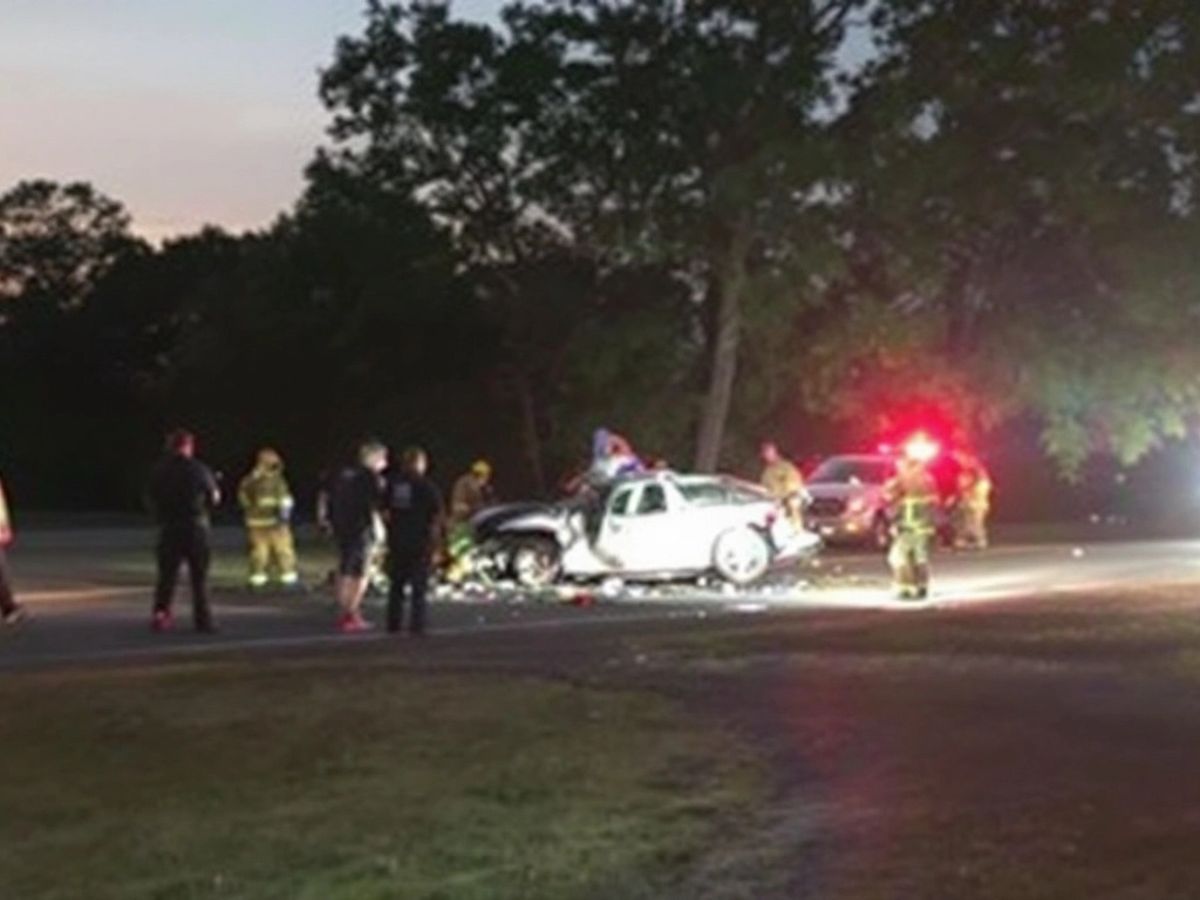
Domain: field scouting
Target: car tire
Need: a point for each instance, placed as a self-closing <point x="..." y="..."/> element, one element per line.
<point x="535" y="562"/>
<point x="741" y="556"/>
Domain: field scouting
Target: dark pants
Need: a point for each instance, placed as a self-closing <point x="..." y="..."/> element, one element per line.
<point x="179" y="544"/>
<point x="7" y="603"/>
<point x="408" y="570"/>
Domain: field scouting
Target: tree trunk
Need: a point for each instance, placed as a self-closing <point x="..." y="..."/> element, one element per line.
<point x="529" y="433"/>
<point x="725" y="343"/>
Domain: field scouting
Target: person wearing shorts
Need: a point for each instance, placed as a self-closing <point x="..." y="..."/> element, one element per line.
<point x="354" y="501"/>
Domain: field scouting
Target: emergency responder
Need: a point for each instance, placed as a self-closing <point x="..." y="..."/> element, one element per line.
<point x="182" y="494"/>
<point x="783" y="481"/>
<point x="613" y="457"/>
<point x="412" y="511"/>
<point x="472" y="493"/>
<point x="267" y="504"/>
<point x="353" y="507"/>
<point x="11" y="612"/>
<point x="912" y="499"/>
<point x="971" y="504"/>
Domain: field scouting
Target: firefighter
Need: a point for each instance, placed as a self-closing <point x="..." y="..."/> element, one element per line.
<point x="11" y="612"/>
<point x="472" y="492"/>
<point x="972" y="503"/>
<point x="912" y="497"/>
<point x="267" y="504"/>
<point x="783" y="481"/>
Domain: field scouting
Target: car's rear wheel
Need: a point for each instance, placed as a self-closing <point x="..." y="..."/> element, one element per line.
<point x="535" y="562"/>
<point x="741" y="556"/>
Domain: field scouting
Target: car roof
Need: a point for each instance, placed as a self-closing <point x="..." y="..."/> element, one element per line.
<point x="678" y="479"/>
<point x="860" y="457"/>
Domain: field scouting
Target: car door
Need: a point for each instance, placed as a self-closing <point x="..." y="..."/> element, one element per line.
<point x="640" y="530"/>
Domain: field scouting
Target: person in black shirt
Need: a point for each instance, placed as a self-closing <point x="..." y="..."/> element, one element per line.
<point x="353" y="510"/>
<point x="182" y="493"/>
<point x="412" y="509"/>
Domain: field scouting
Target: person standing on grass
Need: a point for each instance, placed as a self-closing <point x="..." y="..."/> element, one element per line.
<point x="183" y="493"/>
<point x="353" y="505"/>
<point x="11" y="612"/>
<point x="412" y="511"/>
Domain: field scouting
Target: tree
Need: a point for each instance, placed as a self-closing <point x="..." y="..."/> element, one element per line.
<point x="58" y="241"/>
<point x="63" y="356"/>
<point x="678" y="135"/>
<point x="1019" y="208"/>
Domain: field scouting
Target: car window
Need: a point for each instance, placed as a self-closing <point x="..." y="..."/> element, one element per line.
<point x="653" y="500"/>
<point x="620" y="502"/>
<point x="740" y="492"/>
<point x="704" y="493"/>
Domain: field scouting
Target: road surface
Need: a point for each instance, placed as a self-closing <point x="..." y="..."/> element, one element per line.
<point x="87" y="608"/>
<point x="1029" y="734"/>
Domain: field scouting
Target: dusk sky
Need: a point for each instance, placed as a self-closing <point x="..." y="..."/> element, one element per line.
<point x="188" y="111"/>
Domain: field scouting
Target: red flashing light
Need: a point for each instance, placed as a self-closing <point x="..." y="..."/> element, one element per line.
<point x="922" y="448"/>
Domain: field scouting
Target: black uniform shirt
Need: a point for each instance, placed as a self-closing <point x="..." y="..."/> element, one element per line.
<point x="182" y="491"/>
<point x="354" y="496"/>
<point x="412" y="506"/>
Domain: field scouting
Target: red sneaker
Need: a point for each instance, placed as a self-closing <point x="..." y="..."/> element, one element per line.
<point x="162" y="621"/>
<point x="353" y="623"/>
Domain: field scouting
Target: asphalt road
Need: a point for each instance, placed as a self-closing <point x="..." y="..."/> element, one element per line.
<point x="1029" y="734"/>
<point x="86" y="608"/>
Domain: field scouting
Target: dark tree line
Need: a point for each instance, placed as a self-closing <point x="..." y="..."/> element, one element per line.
<point x="685" y="220"/>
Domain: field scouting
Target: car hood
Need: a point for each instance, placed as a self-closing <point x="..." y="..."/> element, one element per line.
<point x="831" y="491"/>
<point x="496" y="518"/>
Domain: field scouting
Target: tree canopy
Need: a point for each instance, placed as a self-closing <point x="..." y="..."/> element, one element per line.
<point x="689" y="220"/>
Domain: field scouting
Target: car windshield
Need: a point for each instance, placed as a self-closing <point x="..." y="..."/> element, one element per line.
<point x="843" y="470"/>
<point x="713" y="492"/>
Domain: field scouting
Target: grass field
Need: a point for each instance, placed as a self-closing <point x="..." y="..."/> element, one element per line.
<point x="327" y="781"/>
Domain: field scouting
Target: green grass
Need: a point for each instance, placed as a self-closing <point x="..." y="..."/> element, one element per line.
<point x="323" y="781"/>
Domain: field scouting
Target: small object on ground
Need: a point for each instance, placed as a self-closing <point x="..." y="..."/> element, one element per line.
<point x="15" y="616"/>
<point x="749" y="608"/>
<point x="162" y="621"/>
<point x="1078" y="553"/>
<point x="611" y="588"/>
<point x="584" y="599"/>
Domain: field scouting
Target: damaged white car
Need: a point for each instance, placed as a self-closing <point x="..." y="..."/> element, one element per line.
<point x="651" y="527"/>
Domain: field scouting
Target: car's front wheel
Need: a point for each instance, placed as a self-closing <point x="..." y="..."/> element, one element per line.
<point x="741" y="556"/>
<point x="536" y="562"/>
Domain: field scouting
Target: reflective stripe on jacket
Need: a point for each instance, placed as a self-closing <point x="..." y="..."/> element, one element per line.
<point x="265" y="498"/>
